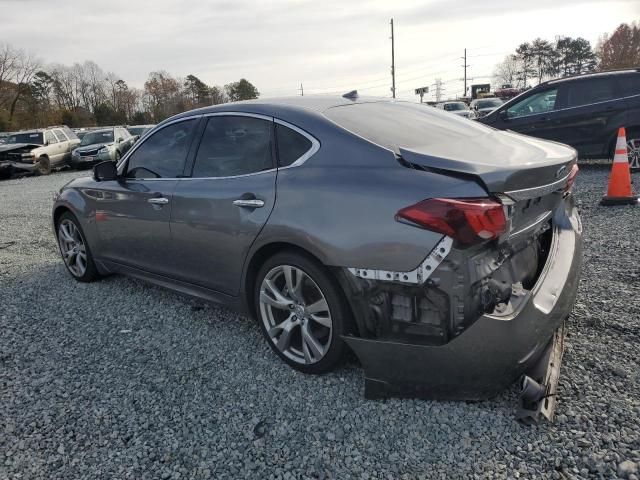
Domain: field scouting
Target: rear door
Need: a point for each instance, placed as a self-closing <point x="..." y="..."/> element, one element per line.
<point x="218" y="212"/>
<point x="53" y="147"/>
<point x="64" y="148"/>
<point x="132" y="213"/>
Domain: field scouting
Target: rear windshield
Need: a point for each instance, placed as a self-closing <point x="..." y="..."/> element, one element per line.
<point x="402" y="124"/>
<point x="449" y="107"/>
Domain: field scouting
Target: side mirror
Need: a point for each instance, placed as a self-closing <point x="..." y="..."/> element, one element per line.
<point x="503" y="114"/>
<point x="105" y="171"/>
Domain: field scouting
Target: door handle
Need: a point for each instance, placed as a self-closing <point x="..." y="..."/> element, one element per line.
<point x="158" y="200"/>
<point x="249" y="203"/>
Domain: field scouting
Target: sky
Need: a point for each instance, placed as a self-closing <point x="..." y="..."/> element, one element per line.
<point x="328" y="46"/>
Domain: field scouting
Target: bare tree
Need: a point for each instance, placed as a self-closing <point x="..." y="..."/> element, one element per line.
<point x="25" y="69"/>
<point x="508" y="71"/>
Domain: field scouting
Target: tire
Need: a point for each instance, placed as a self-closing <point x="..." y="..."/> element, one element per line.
<point x="44" y="166"/>
<point x="117" y="156"/>
<point x="633" y="147"/>
<point x="296" y="325"/>
<point x="69" y="234"/>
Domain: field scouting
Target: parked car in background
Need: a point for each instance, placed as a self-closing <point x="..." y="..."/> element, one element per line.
<point x="3" y="137"/>
<point x="139" y="130"/>
<point x="100" y="145"/>
<point x="506" y="91"/>
<point x="457" y="108"/>
<point x="482" y="106"/>
<point x="584" y="111"/>
<point x="451" y="285"/>
<point x="37" y="150"/>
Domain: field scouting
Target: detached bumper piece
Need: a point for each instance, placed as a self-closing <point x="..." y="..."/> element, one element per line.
<point x="540" y="386"/>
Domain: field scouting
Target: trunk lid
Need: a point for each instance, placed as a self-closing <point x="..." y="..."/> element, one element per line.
<point x="502" y="161"/>
<point x="532" y="173"/>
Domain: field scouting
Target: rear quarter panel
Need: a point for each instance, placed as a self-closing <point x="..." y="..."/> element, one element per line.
<point x="341" y="204"/>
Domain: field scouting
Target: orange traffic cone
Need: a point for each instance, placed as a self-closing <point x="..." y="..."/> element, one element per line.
<point x="619" y="191"/>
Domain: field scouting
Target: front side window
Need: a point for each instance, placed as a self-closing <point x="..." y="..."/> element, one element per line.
<point x="291" y="145"/>
<point x="50" y="138"/>
<point x="540" y="102"/>
<point x="163" y="154"/>
<point x="232" y="146"/>
<point x="589" y="91"/>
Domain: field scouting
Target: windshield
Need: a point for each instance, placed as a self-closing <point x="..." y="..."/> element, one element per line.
<point x="33" y="137"/>
<point x="454" y="106"/>
<point x="90" y="138"/>
<point x="493" y="103"/>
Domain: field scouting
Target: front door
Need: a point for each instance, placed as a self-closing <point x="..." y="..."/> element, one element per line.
<point x="132" y="213"/>
<point x="533" y="115"/>
<point x="219" y="211"/>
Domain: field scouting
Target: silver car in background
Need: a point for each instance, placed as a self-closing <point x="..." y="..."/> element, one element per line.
<point x="445" y="254"/>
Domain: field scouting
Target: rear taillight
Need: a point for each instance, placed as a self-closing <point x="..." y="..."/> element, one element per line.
<point x="468" y="220"/>
<point x="572" y="177"/>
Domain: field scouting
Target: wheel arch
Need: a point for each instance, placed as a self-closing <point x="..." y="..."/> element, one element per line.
<point x="58" y="212"/>
<point x="266" y="251"/>
<point x="614" y="138"/>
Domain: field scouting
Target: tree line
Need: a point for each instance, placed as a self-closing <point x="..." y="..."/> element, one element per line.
<point x="540" y="59"/>
<point x="34" y="95"/>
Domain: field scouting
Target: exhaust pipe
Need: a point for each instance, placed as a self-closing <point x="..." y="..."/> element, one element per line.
<point x="531" y="391"/>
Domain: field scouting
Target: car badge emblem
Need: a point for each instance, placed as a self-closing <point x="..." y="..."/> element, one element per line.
<point x="561" y="171"/>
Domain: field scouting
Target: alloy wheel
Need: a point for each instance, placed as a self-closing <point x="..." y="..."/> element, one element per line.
<point x="295" y="314"/>
<point x="633" y="150"/>
<point x="72" y="247"/>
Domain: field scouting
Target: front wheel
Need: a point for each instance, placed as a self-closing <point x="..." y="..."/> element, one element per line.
<point x="301" y="312"/>
<point x="44" y="166"/>
<point x="75" y="250"/>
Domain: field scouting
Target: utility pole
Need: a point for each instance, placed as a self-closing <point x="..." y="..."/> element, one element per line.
<point x="393" y="64"/>
<point x="301" y="90"/>
<point x="465" y="72"/>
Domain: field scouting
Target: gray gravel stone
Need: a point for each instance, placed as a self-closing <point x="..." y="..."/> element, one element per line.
<point x="120" y="379"/>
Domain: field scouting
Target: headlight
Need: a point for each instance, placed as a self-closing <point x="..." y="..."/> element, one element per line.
<point x="103" y="150"/>
<point x="75" y="153"/>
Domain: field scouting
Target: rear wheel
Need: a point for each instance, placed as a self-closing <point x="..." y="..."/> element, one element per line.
<point x="117" y="156"/>
<point x="301" y="312"/>
<point x="43" y="166"/>
<point x="75" y="250"/>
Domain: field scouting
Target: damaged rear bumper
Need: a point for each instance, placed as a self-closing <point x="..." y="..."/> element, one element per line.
<point x="495" y="350"/>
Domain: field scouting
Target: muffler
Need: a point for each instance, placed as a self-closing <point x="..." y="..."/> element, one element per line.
<point x="530" y="390"/>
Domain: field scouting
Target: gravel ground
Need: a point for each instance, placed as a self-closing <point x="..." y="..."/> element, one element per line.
<point x="119" y="379"/>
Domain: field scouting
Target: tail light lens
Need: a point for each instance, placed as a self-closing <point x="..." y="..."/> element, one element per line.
<point x="572" y="177"/>
<point x="468" y="220"/>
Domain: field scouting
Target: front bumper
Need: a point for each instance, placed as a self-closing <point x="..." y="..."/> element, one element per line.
<point x="494" y="351"/>
<point x="24" y="166"/>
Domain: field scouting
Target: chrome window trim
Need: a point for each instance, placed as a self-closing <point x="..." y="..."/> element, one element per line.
<point x="315" y="144"/>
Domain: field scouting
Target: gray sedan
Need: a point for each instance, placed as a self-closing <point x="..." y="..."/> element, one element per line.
<point x="445" y="254"/>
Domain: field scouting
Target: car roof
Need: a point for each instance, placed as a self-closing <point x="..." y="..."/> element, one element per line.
<point x="610" y="73"/>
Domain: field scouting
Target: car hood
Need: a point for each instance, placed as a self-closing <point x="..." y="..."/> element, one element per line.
<point x="8" y="147"/>
<point x="502" y="161"/>
<point x="93" y="146"/>
<point x="462" y="113"/>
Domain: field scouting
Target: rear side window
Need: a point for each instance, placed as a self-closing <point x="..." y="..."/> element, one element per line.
<point x="594" y="90"/>
<point x="629" y="84"/>
<point x="163" y="154"/>
<point x="291" y="145"/>
<point x="60" y="135"/>
<point x="232" y="146"/>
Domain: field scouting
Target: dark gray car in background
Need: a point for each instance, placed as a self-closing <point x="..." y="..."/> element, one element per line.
<point x="445" y="254"/>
